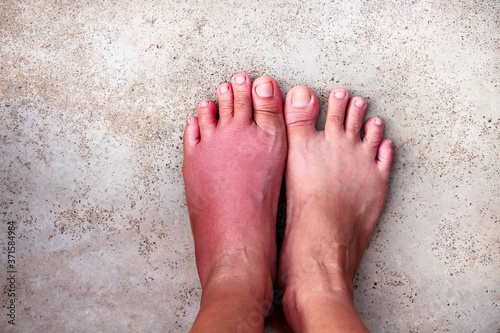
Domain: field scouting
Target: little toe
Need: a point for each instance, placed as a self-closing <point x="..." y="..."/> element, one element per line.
<point x="374" y="134"/>
<point x="301" y="111"/>
<point x="207" y="117"/>
<point x="337" y="103"/>
<point x="226" y="103"/>
<point x="385" y="156"/>
<point x="242" y="90"/>
<point x="191" y="134"/>
<point x="354" y="117"/>
<point x="267" y="104"/>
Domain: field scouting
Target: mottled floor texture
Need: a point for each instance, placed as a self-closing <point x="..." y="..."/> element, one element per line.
<point x="94" y="96"/>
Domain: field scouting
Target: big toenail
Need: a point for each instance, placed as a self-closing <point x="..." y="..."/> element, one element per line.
<point x="301" y="98"/>
<point x="224" y="89"/>
<point x="378" y="122"/>
<point x="359" y="103"/>
<point x="264" y="89"/>
<point x="204" y="103"/>
<point x="240" y="79"/>
<point x="339" y="94"/>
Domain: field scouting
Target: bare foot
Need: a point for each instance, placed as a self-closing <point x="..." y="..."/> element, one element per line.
<point x="337" y="185"/>
<point x="232" y="171"/>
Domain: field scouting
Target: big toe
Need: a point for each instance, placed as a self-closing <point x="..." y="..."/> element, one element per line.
<point x="267" y="104"/>
<point x="301" y="111"/>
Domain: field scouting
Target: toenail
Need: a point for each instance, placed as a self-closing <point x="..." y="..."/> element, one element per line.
<point x="264" y="89"/>
<point x="301" y="98"/>
<point x="339" y="94"/>
<point x="224" y="89"/>
<point x="204" y="103"/>
<point x="240" y="79"/>
<point x="360" y="103"/>
<point x="188" y="120"/>
<point x="378" y="122"/>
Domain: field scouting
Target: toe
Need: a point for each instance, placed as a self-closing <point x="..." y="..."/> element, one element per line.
<point x="301" y="111"/>
<point x="385" y="157"/>
<point x="267" y="104"/>
<point x="374" y="134"/>
<point x="191" y="134"/>
<point x="354" y="117"/>
<point x="242" y="90"/>
<point x="337" y="103"/>
<point x="207" y="117"/>
<point x="226" y="104"/>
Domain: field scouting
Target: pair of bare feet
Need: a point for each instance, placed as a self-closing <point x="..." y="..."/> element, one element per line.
<point x="336" y="187"/>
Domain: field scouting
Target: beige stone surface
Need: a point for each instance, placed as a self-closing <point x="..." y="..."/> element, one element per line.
<point x="94" y="96"/>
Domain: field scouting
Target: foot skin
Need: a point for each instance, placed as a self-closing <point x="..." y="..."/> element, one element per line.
<point x="337" y="184"/>
<point x="233" y="170"/>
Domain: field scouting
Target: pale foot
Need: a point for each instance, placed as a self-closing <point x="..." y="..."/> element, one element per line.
<point x="337" y="184"/>
<point x="232" y="171"/>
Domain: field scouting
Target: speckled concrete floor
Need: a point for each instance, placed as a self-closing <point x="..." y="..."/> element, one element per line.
<point x="94" y="97"/>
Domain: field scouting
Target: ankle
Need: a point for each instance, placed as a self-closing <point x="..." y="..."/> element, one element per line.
<point x="241" y="274"/>
<point x="322" y="265"/>
<point x="321" y="309"/>
<point x="236" y="266"/>
<point x="324" y="313"/>
<point x="249" y="285"/>
<point x="233" y="305"/>
<point x="316" y="286"/>
<point x="319" y="280"/>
